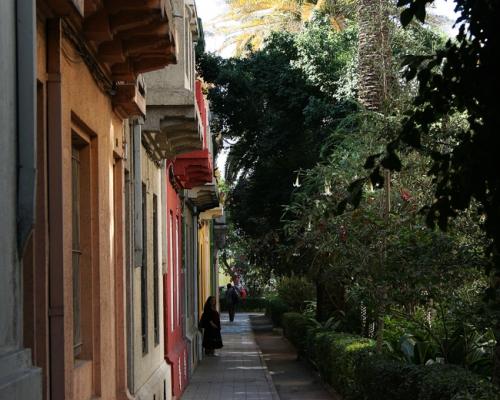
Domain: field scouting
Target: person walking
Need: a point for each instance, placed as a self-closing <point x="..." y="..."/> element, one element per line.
<point x="232" y="299"/>
<point x="210" y="322"/>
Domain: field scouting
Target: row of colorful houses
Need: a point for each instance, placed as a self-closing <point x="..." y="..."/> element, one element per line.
<point x="110" y="215"/>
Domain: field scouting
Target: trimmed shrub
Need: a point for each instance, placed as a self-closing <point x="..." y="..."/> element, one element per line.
<point x="450" y="382"/>
<point x="341" y="358"/>
<point x="380" y="378"/>
<point x="275" y="308"/>
<point x="295" y="328"/>
<point x="350" y="365"/>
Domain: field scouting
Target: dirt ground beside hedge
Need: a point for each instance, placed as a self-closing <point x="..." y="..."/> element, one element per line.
<point x="294" y="379"/>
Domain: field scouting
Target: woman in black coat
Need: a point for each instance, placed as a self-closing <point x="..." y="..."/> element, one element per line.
<point x="210" y="322"/>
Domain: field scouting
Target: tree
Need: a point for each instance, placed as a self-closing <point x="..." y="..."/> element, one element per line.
<point x="249" y="22"/>
<point x="374" y="83"/>
<point x="276" y="118"/>
<point x="461" y="78"/>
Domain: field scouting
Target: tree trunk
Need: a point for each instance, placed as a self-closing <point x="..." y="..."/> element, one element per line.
<point x="374" y="66"/>
<point x="374" y="54"/>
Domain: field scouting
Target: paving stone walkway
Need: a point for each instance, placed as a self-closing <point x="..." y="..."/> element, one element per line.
<point x="238" y="372"/>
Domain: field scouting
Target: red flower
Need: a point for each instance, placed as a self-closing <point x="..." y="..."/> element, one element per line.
<point x="343" y="233"/>
<point x="405" y="195"/>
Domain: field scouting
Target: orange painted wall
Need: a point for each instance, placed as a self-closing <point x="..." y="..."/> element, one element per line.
<point x="86" y="108"/>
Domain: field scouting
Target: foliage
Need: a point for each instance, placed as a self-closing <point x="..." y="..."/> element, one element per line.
<point x="250" y="304"/>
<point x="257" y="19"/>
<point x="381" y="378"/>
<point x="295" y="328"/>
<point x="276" y="120"/>
<point x="462" y="78"/>
<point x="336" y="355"/>
<point x="295" y="291"/>
<point x="275" y="308"/>
<point x="349" y="364"/>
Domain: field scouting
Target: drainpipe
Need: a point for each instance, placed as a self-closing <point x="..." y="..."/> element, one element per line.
<point x="137" y="130"/>
<point x="26" y="120"/>
<point x="195" y="277"/>
<point x="129" y="184"/>
<point x="58" y="372"/>
<point x="164" y="214"/>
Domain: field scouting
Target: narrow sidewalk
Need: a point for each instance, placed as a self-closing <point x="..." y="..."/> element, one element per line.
<point x="238" y="372"/>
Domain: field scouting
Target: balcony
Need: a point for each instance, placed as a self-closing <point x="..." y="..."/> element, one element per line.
<point x="119" y="40"/>
<point x="176" y="116"/>
<point x="206" y="198"/>
<point x="193" y="169"/>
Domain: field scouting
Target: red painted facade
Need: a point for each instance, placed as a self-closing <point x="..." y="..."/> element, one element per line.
<point x="185" y="172"/>
<point x="173" y="289"/>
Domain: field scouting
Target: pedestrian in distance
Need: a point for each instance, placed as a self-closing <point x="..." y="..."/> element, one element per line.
<point x="232" y="298"/>
<point x="210" y="323"/>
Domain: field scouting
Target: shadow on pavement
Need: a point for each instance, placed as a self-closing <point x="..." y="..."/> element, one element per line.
<point x="292" y="377"/>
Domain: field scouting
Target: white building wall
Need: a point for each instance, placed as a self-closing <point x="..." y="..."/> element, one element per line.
<point x="149" y="374"/>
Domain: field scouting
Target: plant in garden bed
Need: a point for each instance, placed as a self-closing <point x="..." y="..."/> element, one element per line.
<point x="295" y="291"/>
<point x="380" y="378"/>
<point x="296" y="329"/>
<point x="275" y="308"/>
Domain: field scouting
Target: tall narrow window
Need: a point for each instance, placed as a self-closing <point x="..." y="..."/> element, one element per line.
<point x="144" y="273"/>
<point x="156" y="271"/>
<point x="76" y="246"/>
<point x="83" y="190"/>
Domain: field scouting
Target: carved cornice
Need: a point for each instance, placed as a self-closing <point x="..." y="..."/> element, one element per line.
<point x="194" y="169"/>
<point x="204" y="197"/>
<point x="118" y="40"/>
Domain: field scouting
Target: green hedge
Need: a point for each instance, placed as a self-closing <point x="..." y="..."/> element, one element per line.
<point x="337" y="356"/>
<point x="393" y="380"/>
<point x="275" y="308"/>
<point x="350" y="365"/>
<point x="250" y="304"/>
<point x="295" y="328"/>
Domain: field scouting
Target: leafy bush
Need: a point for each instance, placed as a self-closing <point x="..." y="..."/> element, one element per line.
<point x="295" y="291"/>
<point x="275" y="308"/>
<point x="296" y="327"/>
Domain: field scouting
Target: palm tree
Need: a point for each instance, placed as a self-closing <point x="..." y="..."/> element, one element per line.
<point x="374" y="53"/>
<point x="374" y="60"/>
<point x="248" y="22"/>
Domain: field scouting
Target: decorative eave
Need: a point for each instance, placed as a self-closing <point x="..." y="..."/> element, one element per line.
<point x="204" y="197"/>
<point x="120" y="39"/>
<point x="212" y="213"/>
<point x="194" y="169"/>
<point x="173" y="130"/>
<point x="129" y="99"/>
